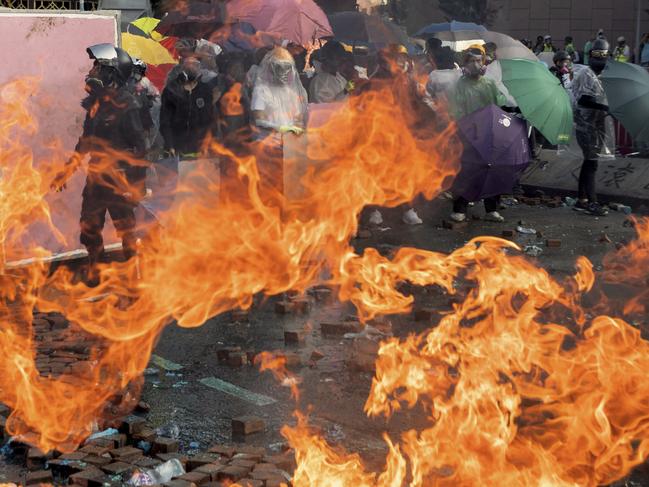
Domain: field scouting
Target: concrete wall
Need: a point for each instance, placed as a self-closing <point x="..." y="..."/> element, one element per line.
<point x="52" y="46"/>
<point x="530" y="18"/>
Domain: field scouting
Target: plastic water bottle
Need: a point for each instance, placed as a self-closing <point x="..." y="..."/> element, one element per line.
<point x="163" y="473"/>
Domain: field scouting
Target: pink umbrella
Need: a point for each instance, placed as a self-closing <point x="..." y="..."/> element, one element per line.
<point x="299" y="21"/>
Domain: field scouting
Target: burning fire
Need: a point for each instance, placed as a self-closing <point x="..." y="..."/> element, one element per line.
<point x="520" y="385"/>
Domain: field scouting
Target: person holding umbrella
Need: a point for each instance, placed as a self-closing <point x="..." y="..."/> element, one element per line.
<point x="472" y="92"/>
<point x="590" y="117"/>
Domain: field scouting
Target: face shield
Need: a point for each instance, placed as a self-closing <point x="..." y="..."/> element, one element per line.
<point x="281" y="71"/>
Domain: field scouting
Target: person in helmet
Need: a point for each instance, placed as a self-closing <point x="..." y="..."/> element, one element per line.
<point x="472" y="92"/>
<point x="562" y="68"/>
<point x="548" y="46"/>
<point x="590" y="119"/>
<point x="149" y="98"/>
<point x="622" y="52"/>
<point x="115" y="140"/>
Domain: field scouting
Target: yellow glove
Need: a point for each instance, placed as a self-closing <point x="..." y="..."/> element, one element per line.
<point x="291" y="128"/>
<point x="350" y="86"/>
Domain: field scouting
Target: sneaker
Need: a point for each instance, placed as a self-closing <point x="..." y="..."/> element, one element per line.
<point x="458" y="217"/>
<point x="376" y="218"/>
<point x="494" y="216"/>
<point x="581" y="205"/>
<point x="410" y="217"/>
<point x="596" y="209"/>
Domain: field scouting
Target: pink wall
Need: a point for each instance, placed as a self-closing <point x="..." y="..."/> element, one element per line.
<point x="52" y="46"/>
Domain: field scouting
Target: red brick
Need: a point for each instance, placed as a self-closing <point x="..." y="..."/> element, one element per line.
<point x="147" y="462"/>
<point x="196" y="477"/>
<point x="301" y="305"/>
<point x="246" y="425"/>
<point x="316" y="355"/>
<point x="39" y="477"/>
<point x="283" y="307"/>
<point x="553" y="242"/>
<point x="125" y="452"/>
<point x="249" y="453"/>
<point x="223" y="354"/>
<point x="35" y="459"/>
<point x="179" y="483"/>
<point x="249" y="464"/>
<point x="200" y="460"/>
<point x="237" y="359"/>
<point x="226" y="451"/>
<point x="86" y="476"/>
<point x="164" y="445"/>
<point x="117" y="468"/>
<point x="266" y="475"/>
<point x="76" y="455"/>
<point x="97" y="461"/>
<point x="132" y="424"/>
<point x="118" y="439"/>
<point x="340" y="328"/>
<point x="451" y="225"/>
<point x="294" y="337"/>
<point x="232" y="473"/>
<point x="285" y="461"/>
<point x="95" y="450"/>
<point x="212" y="469"/>
<point x="147" y="434"/>
<point x="508" y="233"/>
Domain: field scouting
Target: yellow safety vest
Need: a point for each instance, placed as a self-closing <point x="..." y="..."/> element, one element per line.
<point x="619" y="55"/>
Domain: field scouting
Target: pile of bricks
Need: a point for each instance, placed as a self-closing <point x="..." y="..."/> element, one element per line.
<point x="61" y="346"/>
<point x="113" y="460"/>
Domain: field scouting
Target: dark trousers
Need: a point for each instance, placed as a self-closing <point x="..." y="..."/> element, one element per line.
<point x="460" y="205"/>
<point x="587" y="185"/>
<point x="97" y="199"/>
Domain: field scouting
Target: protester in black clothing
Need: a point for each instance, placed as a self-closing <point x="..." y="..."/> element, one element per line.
<point x="188" y="112"/>
<point x="114" y="138"/>
<point x="562" y="68"/>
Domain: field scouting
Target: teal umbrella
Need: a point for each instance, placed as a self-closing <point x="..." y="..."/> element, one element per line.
<point x="627" y="90"/>
<point x="540" y="96"/>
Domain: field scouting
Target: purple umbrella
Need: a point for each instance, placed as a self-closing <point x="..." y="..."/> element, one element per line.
<point x="299" y="21"/>
<point x="496" y="151"/>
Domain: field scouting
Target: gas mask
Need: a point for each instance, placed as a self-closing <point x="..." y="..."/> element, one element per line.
<point x="281" y="71"/>
<point x="99" y="78"/>
<point x="597" y="61"/>
<point x="191" y="70"/>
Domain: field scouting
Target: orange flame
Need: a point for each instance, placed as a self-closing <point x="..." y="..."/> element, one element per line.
<point x="520" y="386"/>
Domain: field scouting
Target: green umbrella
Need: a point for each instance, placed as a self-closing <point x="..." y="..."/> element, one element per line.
<point x="627" y="90"/>
<point x="540" y="96"/>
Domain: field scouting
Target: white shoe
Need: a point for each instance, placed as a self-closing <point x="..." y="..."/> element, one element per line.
<point x="494" y="216"/>
<point x="458" y="217"/>
<point x="376" y="218"/>
<point x="410" y="217"/>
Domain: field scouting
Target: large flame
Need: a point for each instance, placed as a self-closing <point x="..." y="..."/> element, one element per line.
<point x="520" y="385"/>
<point x="205" y="261"/>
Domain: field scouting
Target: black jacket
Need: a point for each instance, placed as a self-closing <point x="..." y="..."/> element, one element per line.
<point x="186" y="118"/>
<point x="112" y="121"/>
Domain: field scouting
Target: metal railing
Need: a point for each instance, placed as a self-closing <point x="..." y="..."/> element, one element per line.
<point x="50" y="4"/>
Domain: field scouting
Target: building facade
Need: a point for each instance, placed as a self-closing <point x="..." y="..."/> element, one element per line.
<point x="530" y="18"/>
